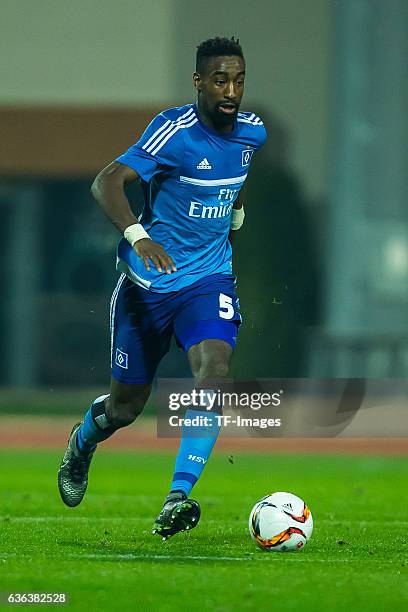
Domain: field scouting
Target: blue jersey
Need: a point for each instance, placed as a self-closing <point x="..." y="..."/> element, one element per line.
<point x="191" y="175"/>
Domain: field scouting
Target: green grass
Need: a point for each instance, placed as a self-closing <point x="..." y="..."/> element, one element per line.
<point x="103" y="556"/>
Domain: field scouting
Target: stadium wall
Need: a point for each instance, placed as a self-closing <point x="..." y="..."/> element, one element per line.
<point x="140" y="54"/>
<point x="86" y="52"/>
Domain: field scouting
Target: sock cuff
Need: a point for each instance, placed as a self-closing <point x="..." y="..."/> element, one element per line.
<point x="210" y="400"/>
<point x="98" y="413"/>
<point x="187" y="476"/>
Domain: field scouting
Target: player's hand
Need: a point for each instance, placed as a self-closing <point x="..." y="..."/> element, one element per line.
<point x="147" y="250"/>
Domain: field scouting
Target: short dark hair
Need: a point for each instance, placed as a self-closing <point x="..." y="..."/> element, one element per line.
<point x="214" y="47"/>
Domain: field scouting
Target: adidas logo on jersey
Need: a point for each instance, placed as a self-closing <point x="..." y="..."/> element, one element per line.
<point x="204" y="165"/>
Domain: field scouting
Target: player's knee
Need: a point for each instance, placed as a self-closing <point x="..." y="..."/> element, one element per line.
<point x="121" y="414"/>
<point x="214" y="368"/>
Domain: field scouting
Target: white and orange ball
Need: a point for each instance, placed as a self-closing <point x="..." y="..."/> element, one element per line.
<point x="281" y="522"/>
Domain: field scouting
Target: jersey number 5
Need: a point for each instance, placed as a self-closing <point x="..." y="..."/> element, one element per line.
<point x="226" y="308"/>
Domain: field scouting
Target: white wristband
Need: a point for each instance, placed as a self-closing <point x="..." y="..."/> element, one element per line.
<point x="135" y="232"/>
<point x="237" y="218"/>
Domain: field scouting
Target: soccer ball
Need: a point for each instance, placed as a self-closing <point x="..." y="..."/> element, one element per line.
<point x="281" y="522"/>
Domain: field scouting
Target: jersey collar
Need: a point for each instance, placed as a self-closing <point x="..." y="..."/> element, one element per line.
<point x="206" y="128"/>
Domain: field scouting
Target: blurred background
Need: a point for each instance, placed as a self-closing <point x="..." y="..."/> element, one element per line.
<point x="322" y="259"/>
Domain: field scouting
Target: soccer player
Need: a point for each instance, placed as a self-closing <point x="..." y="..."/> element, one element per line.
<point x="176" y="267"/>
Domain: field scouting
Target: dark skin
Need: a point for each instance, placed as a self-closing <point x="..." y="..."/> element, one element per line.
<point x="219" y="91"/>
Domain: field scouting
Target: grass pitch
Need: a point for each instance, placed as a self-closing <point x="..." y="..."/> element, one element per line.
<point x="103" y="556"/>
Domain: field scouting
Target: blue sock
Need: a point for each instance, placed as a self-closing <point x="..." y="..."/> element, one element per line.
<point x="195" y="448"/>
<point x="95" y="427"/>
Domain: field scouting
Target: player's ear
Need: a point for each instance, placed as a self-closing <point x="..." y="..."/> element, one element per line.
<point x="197" y="81"/>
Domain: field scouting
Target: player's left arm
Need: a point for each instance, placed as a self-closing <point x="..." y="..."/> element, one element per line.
<point x="238" y="214"/>
<point x="238" y="206"/>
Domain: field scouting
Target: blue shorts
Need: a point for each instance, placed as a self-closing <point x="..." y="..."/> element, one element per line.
<point x="142" y="322"/>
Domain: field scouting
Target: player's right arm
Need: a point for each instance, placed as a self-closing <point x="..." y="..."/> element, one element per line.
<point x="108" y="190"/>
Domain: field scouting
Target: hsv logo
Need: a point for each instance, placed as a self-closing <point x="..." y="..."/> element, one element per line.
<point x="204" y="164"/>
<point x="246" y="156"/>
<point x="197" y="459"/>
<point x="121" y="359"/>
